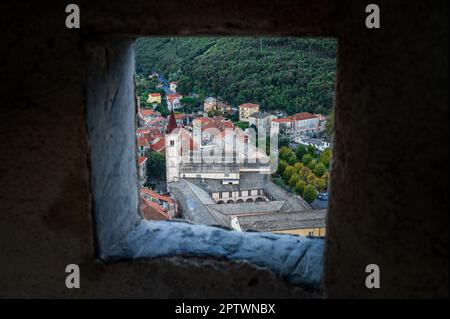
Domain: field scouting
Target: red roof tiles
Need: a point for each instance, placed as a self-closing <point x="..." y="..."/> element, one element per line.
<point x="148" y="112"/>
<point x="142" y="141"/>
<point x="159" y="146"/>
<point x="180" y="116"/>
<point x="153" y="194"/>
<point x="172" y="97"/>
<point x="141" y="160"/>
<point x="283" y="120"/>
<point x="202" y="120"/>
<point x="249" y="105"/>
<point x="302" y="116"/>
<point x="156" y="121"/>
<point x="151" y="210"/>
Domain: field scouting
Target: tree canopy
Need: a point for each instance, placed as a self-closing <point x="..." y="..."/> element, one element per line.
<point x="291" y="74"/>
<point x="156" y="165"/>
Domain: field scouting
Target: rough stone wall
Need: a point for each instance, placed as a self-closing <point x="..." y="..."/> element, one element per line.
<point x="111" y="126"/>
<point x="391" y="155"/>
<point x="388" y="203"/>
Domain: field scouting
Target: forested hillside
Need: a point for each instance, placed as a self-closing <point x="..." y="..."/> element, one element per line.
<point x="279" y="73"/>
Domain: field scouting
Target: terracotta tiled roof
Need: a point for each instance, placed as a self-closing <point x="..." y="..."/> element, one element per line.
<point x="302" y="116"/>
<point x="152" y="136"/>
<point x="249" y="105"/>
<point x="180" y="116"/>
<point x="141" y="160"/>
<point x="153" y="194"/>
<point x="142" y="130"/>
<point x="283" y="120"/>
<point x="149" y="136"/>
<point x="159" y="146"/>
<point x="151" y="210"/>
<point x="174" y="96"/>
<point x="228" y="124"/>
<point x="218" y="122"/>
<point x="219" y="126"/>
<point x="142" y="141"/>
<point x="209" y="125"/>
<point x="202" y="120"/>
<point x="320" y="117"/>
<point x="156" y="121"/>
<point x="155" y="94"/>
<point x="148" y="130"/>
<point x="148" y="112"/>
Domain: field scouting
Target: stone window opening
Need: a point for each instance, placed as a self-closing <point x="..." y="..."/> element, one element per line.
<point x="120" y="230"/>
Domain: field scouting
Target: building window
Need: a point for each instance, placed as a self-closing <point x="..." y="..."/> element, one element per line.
<point x="172" y="142"/>
<point x="230" y="194"/>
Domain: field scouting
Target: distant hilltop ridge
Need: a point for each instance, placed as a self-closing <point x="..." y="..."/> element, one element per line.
<point x="291" y="74"/>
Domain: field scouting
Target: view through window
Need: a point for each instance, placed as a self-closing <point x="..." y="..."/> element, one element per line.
<point x="236" y="131"/>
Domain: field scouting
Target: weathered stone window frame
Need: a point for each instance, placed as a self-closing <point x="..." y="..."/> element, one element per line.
<point x="120" y="230"/>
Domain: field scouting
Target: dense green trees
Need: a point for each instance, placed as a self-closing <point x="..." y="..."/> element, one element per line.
<point x="329" y="125"/>
<point x="307" y="159"/>
<point x="278" y="73"/>
<point x="300" y="187"/>
<point x="305" y="171"/>
<point x="281" y="167"/>
<point x="325" y="157"/>
<point x="242" y="125"/>
<point x="215" y="113"/>
<point x="319" y="169"/>
<point x="300" y="151"/>
<point x="156" y="165"/>
<point x="144" y="86"/>
<point x="287" y="155"/>
<point x="283" y="141"/>
<point x="309" y="194"/>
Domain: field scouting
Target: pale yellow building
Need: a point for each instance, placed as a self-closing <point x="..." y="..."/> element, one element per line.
<point x="310" y="231"/>
<point x="247" y="109"/>
<point x="303" y="223"/>
<point x="154" y="98"/>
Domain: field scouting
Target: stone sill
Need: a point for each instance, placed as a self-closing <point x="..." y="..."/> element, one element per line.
<point x="297" y="259"/>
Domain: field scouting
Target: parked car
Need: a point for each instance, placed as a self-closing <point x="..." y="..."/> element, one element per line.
<point x="323" y="196"/>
